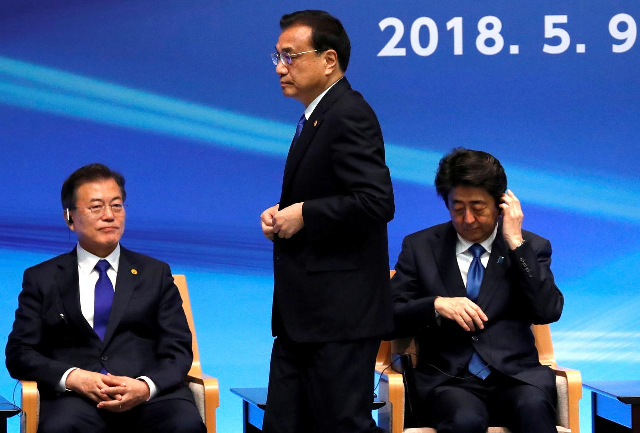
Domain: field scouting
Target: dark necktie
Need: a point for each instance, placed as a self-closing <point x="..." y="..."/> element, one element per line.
<point x="301" y="123"/>
<point x="103" y="299"/>
<point x="476" y="366"/>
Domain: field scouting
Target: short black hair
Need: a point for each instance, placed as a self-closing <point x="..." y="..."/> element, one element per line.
<point x="465" y="167"/>
<point x="88" y="173"/>
<point x="327" y="32"/>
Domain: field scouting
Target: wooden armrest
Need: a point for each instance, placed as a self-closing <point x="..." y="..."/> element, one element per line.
<point x="30" y="400"/>
<point x="574" y="387"/>
<point x="212" y="391"/>
<point x="211" y="397"/>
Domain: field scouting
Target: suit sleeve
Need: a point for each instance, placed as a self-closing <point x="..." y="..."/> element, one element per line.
<point x="532" y="272"/>
<point x="25" y="347"/>
<point x="413" y="309"/>
<point x="358" y="161"/>
<point x="174" y="355"/>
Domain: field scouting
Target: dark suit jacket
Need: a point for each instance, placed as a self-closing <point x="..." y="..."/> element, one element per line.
<point x="147" y="333"/>
<point x="517" y="291"/>
<point x="331" y="278"/>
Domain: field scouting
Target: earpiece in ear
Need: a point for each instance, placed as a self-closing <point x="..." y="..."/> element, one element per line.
<point x="69" y="219"/>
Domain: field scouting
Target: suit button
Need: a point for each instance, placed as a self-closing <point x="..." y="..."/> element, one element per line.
<point x="474" y="338"/>
<point x="105" y="358"/>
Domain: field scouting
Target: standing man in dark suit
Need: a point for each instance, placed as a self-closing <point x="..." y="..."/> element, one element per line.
<point x="470" y="289"/>
<point x="102" y="329"/>
<point x="331" y="299"/>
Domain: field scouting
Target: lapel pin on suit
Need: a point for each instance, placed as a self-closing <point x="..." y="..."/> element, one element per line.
<point x="315" y="123"/>
<point x="134" y="271"/>
<point x="500" y="259"/>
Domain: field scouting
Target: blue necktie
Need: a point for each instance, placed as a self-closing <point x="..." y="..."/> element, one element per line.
<point x="103" y="299"/>
<point x="476" y="366"/>
<point x="301" y="123"/>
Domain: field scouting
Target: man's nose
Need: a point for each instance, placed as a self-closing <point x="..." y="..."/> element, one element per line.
<point x="108" y="213"/>
<point x="281" y="69"/>
<point x="469" y="217"/>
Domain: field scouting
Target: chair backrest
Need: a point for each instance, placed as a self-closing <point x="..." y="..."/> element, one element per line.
<point x="181" y="282"/>
<point x="544" y="344"/>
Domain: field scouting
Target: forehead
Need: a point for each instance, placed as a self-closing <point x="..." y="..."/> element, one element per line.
<point x="295" y="38"/>
<point x="105" y="189"/>
<point x="470" y="195"/>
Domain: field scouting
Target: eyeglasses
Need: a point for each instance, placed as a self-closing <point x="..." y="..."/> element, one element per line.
<point x="286" y="58"/>
<point x="98" y="210"/>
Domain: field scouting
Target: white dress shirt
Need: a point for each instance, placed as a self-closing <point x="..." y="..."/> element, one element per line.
<point x="464" y="256"/>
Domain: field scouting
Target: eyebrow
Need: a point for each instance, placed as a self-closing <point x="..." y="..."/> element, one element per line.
<point x="102" y="200"/>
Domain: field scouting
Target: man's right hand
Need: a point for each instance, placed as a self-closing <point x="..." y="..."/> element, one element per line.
<point x="266" y="220"/>
<point x="87" y="383"/>
<point x="463" y="310"/>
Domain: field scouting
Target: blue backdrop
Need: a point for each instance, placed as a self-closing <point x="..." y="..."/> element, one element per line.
<point x="182" y="98"/>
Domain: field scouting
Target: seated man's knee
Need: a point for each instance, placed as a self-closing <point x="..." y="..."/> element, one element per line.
<point x="186" y="424"/>
<point x="463" y="422"/>
<point x="534" y="412"/>
<point x="69" y="414"/>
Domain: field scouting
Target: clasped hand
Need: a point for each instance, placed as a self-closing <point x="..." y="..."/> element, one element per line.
<point x="283" y="222"/>
<point x="112" y="393"/>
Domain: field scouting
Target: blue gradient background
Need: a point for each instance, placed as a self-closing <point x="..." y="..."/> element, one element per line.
<point x="181" y="97"/>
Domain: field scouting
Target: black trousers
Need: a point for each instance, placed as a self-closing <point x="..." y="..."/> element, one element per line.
<point x="470" y="405"/>
<point x="321" y="387"/>
<point x="71" y="413"/>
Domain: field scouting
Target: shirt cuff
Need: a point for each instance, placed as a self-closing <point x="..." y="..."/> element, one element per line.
<point x="62" y="385"/>
<point x="153" y="389"/>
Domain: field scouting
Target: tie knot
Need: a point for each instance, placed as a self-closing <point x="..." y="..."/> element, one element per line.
<point x="102" y="266"/>
<point x="477" y="250"/>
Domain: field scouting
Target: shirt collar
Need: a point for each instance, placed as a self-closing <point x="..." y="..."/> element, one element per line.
<point x="87" y="261"/>
<point x="463" y="245"/>
<point x="315" y="102"/>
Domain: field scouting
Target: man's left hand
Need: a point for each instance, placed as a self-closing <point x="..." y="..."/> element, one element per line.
<point x="288" y="221"/>
<point x="126" y="393"/>
<point x="512" y="217"/>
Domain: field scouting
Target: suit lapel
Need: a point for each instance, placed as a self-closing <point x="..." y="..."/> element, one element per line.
<point x="494" y="273"/>
<point x="311" y="126"/>
<point x="444" y="247"/>
<point x="125" y="284"/>
<point x="67" y="281"/>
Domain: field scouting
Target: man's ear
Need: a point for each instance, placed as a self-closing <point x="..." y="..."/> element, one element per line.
<point x="331" y="61"/>
<point x="67" y="218"/>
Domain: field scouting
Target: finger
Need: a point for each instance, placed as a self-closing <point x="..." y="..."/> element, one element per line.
<point x="111" y="381"/>
<point x="462" y="323"/>
<point x="112" y="406"/>
<point x="468" y="320"/>
<point x="477" y="311"/>
<point x="115" y="392"/>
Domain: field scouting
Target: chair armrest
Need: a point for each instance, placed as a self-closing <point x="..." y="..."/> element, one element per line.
<point x="30" y="406"/>
<point x="391" y="391"/>
<point x="211" y="397"/>
<point x="574" y="388"/>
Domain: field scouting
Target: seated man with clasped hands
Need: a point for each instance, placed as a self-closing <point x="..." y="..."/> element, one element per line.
<point x="101" y="328"/>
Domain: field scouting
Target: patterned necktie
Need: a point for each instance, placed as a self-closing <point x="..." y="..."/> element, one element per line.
<point x="476" y="366"/>
<point x="301" y="123"/>
<point x="103" y="299"/>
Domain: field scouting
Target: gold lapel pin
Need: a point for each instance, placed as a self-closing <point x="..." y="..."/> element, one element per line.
<point x="134" y="271"/>
<point x="315" y="123"/>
